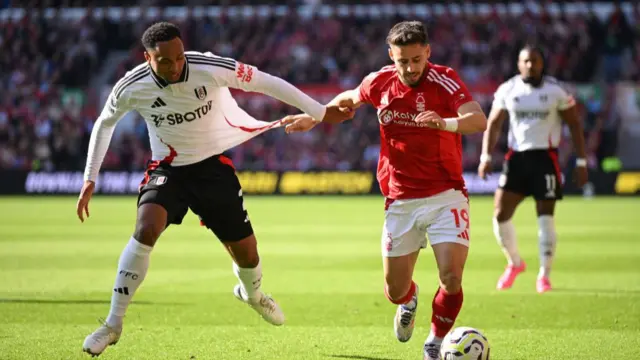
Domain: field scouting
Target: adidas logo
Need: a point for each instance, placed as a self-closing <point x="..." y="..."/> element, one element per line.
<point x="122" y="290"/>
<point x="464" y="235"/>
<point x="158" y="103"/>
<point x="444" y="319"/>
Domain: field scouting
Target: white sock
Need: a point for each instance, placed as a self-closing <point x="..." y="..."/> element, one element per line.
<point x="132" y="268"/>
<point x="505" y="233"/>
<point x="250" y="280"/>
<point x="547" y="243"/>
<point x="433" y="339"/>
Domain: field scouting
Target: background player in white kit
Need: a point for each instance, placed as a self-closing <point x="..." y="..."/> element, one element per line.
<point x="536" y="106"/>
<point x="192" y="118"/>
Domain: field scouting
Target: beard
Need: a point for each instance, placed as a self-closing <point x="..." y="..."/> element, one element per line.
<point x="410" y="82"/>
<point x="534" y="81"/>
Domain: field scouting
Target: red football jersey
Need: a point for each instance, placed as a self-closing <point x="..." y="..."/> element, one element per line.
<point x="416" y="161"/>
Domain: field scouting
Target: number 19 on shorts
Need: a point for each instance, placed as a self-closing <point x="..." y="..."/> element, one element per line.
<point x="460" y="216"/>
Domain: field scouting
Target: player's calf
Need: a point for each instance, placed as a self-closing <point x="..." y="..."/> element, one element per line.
<point x="447" y="302"/>
<point x="404" y="321"/>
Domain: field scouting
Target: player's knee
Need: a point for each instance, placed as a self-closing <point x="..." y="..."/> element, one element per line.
<point x="248" y="260"/>
<point x="450" y="282"/>
<point x="244" y="252"/>
<point x="502" y="215"/>
<point x="147" y="234"/>
<point x="396" y="291"/>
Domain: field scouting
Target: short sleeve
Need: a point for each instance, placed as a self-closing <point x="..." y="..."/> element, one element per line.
<point x="565" y="99"/>
<point x="499" y="98"/>
<point x="364" y="89"/>
<point x="456" y="91"/>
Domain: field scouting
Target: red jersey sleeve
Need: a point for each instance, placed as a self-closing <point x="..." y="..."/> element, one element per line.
<point x="457" y="92"/>
<point x="365" y="89"/>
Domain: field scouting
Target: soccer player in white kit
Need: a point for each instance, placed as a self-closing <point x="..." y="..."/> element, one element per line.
<point x="192" y="119"/>
<point x="536" y="106"/>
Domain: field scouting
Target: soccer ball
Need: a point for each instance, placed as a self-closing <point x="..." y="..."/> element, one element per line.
<point x="465" y="343"/>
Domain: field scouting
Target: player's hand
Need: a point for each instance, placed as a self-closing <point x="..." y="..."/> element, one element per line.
<point x="298" y="123"/>
<point x="339" y="113"/>
<point x="345" y="103"/>
<point x="484" y="169"/>
<point x="431" y="119"/>
<point x="581" y="175"/>
<point x="83" y="201"/>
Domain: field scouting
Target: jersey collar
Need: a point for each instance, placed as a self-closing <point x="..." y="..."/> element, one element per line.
<point x="162" y="83"/>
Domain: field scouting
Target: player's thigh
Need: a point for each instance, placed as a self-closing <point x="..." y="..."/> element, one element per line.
<point x="545" y="207"/>
<point x="450" y="258"/>
<point x="514" y="177"/>
<point x="161" y="188"/>
<point x="547" y="178"/>
<point x="216" y="197"/>
<point x="398" y="272"/>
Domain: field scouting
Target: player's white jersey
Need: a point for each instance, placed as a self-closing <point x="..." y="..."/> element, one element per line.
<point x="534" y="118"/>
<point x="196" y="117"/>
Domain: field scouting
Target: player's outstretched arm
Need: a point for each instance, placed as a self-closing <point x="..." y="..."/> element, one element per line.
<point x="249" y="78"/>
<point x="490" y="137"/>
<point x="101" y="134"/>
<point x="346" y="101"/>
<point x="471" y="119"/>
<point x="570" y="116"/>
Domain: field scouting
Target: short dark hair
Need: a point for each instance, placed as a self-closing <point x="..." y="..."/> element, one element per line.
<point x="159" y="32"/>
<point x="408" y="33"/>
<point x="533" y="48"/>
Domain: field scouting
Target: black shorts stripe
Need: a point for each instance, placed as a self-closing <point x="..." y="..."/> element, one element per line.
<point x="126" y="78"/>
<point x="199" y="62"/>
<point x="203" y="57"/>
<point x="129" y="82"/>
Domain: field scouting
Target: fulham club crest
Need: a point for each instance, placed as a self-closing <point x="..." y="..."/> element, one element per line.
<point x="201" y="92"/>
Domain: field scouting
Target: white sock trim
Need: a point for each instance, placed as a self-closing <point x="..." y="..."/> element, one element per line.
<point x="250" y="280"/>
<point x="137" y="247"/>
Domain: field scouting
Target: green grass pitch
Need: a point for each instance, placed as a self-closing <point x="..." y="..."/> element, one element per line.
<point x="321" y="262"/>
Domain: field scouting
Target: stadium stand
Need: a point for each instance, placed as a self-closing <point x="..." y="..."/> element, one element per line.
<point x="54" y="72"/>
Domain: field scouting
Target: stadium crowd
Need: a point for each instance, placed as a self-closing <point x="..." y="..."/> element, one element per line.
<point x="48" y="105"/>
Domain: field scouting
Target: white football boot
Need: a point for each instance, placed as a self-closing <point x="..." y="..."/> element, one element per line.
<point x="265" y="306"/>
<point x="432" y="351"/>
<point x="404" y="321"/>
<point x="97" y="342"/>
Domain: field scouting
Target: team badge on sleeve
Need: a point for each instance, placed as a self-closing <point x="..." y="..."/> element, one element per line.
<point x="160" y="180"/>
<point x="201" y="92"/>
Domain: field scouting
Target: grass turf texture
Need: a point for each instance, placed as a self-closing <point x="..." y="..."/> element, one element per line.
<point x="321" y="261"/>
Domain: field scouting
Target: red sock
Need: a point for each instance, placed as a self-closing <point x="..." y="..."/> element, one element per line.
<point x="445" y="310"/>
<point x="405" y="299"/>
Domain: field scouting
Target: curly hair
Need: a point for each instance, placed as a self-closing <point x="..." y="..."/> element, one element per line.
<point x="159" y="32"/>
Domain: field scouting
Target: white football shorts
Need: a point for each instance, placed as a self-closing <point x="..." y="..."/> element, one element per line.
<point x="443" y="217"/>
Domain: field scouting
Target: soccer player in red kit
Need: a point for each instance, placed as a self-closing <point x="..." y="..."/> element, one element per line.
<point x="423" y="109"/>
